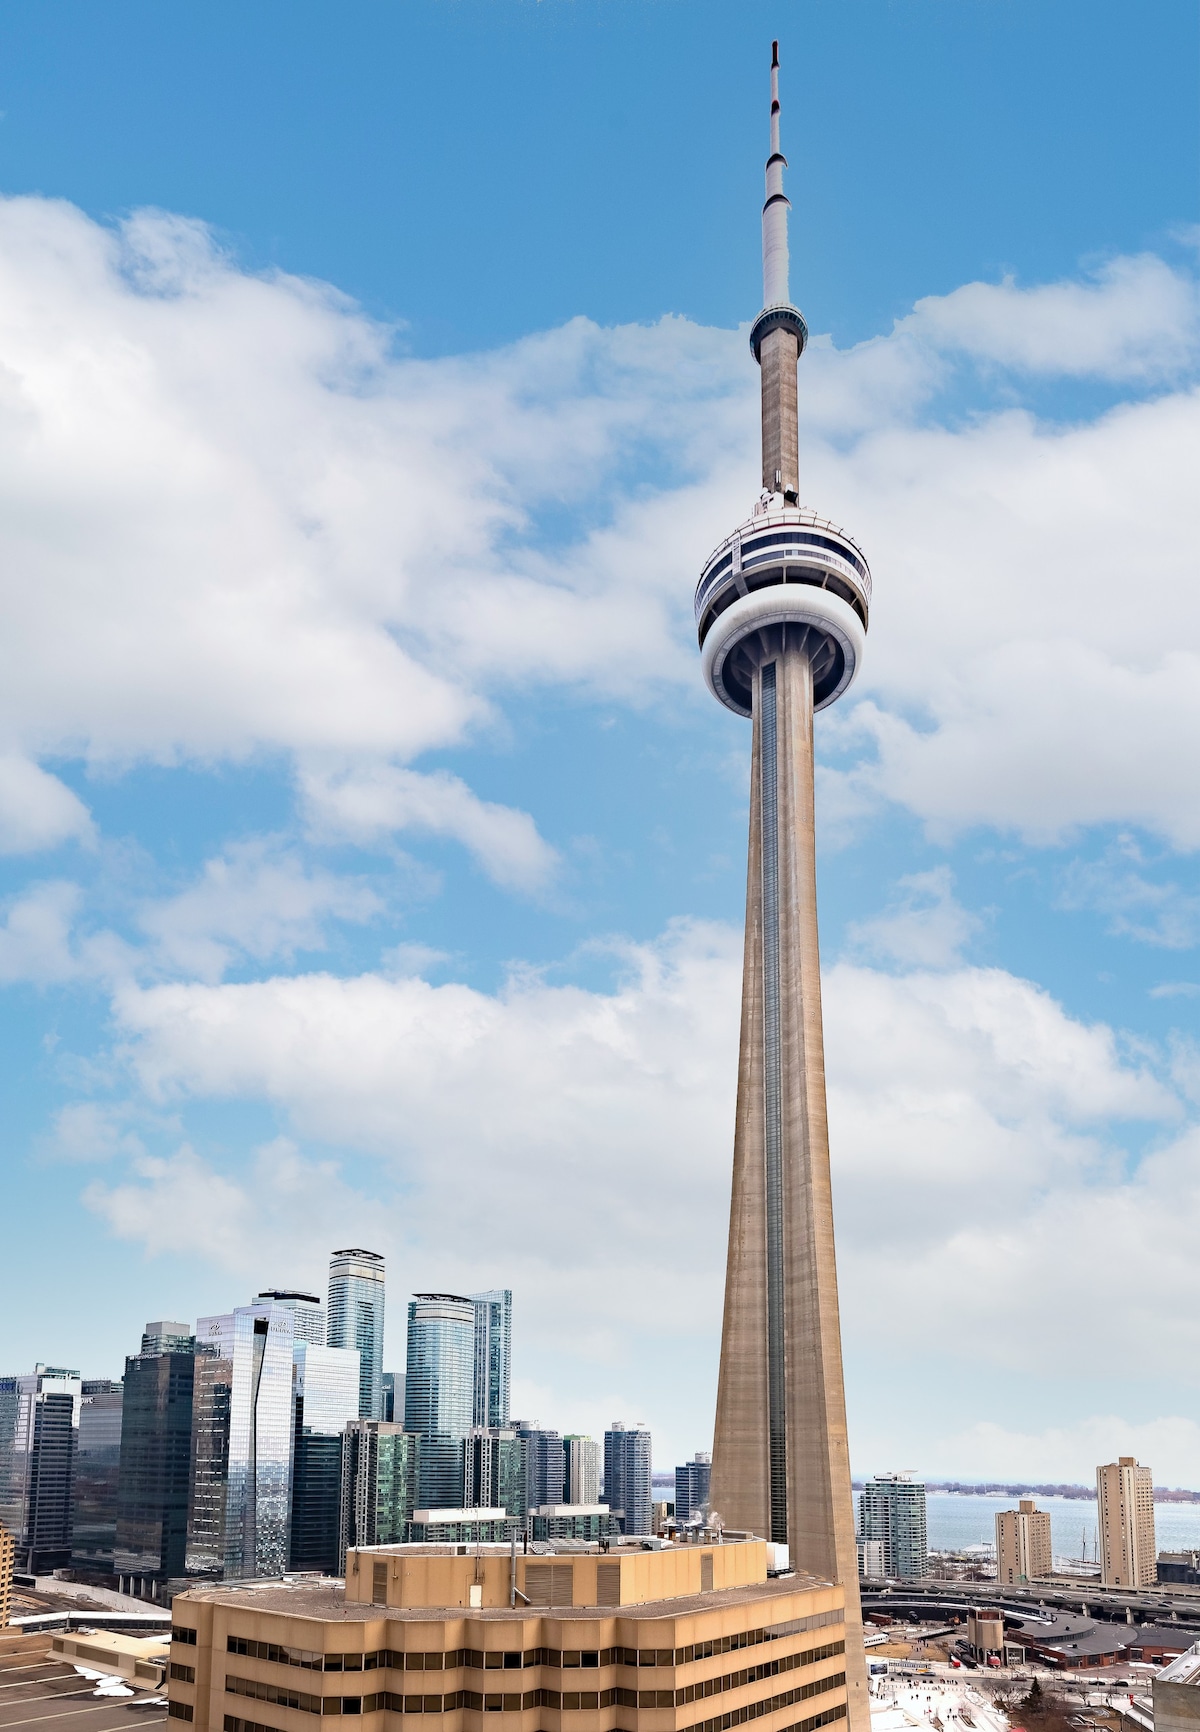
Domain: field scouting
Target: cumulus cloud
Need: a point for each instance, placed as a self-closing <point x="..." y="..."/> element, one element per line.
<point x="925" y="925"/>
<point x="257" y="900"/>
<point x="1017" y="676"/>
<point x="1136" y="319"/>
<point x="35" y="938"/>
<point x="85" y="1131"/>
<point x="234" y="520"/>
<point x="370" y="800"/>
<point x="179" y="1203"/>
<point x="525" y="1113"/>
<point x="237" y="525"/>
<point x="37" y="810"/>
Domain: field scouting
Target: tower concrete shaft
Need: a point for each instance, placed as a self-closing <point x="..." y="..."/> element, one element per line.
<point x="781" y="1462"/>
<point x="782" y="612"/>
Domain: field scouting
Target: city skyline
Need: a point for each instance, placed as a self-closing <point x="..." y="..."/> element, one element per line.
<point x="371" y="859"/>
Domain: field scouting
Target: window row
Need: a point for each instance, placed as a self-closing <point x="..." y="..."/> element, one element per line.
<point x="516" y="1659"/>
<point x="398" y="1703"/>
<point x="755" y="1711"/>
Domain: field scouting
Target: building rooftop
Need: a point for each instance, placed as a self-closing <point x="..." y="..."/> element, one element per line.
<point x="325" y="1599"/>
<point x="1184" y="1670"/>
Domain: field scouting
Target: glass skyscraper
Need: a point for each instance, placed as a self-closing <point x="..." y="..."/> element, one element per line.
<point x="97" y="1475"/>
<point x="494" y="1471"/>
<point x="691" y="1487"/>
<point x="156" y="1448"/>
<point x="493" y="1357"/>
<point x="355" y="1319"/>
<point x="39" y="1434"/>
<point x="242" y="1428"/>
<point x="325" y="1389"/>
<point x="627" y="1483"/>
<point x="545" y="1464"/>
<point x="379" y="1484"/>
<point x="891" y="1510"/>
<point x="439" y="1392"/>
<point x="307" y="1310"/>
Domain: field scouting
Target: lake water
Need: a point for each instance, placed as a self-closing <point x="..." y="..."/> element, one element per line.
<point x="956" y="1520"/>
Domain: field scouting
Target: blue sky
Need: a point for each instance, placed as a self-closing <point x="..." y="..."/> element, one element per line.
<point x="373" y="384"/>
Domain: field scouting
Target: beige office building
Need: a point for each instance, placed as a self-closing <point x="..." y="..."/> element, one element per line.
<point x="1023" y="1549"/>
<point x="6" y="1574"/>
<point x="1125" y="1498"/>
<point x="433" y="1638"/>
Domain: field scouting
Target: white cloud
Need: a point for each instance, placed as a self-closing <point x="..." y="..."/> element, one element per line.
<point x="366" y="801"/>
<point x="231" y="521"/>
<point x="926" y="925"/>
<point x="257" y="900"/>
<point x="1136" y="319"/>
<point x="91" y="1131"/>
<point x="1018" y="675"/>
<point x="35" y="938"/>
<point x="179" y="1204"/>
<point x="1136" y="905"/>
<point x="36" y="809"/>
<point x="977" y="1170"/>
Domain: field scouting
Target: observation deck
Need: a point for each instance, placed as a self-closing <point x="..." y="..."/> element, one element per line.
<point x="784" y="567"/>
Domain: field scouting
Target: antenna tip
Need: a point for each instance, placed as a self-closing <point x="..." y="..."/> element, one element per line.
<point x="774" y="55"/>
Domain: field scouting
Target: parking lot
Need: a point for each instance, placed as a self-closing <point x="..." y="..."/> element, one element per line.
<point x="37" y="1692"/>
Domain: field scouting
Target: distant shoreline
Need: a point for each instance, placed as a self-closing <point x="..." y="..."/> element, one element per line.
<point x="1084" y="1493"/>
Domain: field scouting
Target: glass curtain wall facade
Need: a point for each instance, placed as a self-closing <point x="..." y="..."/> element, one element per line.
<point x="494" y="1471"/>
<point x="627" y="1482"/>
<point x="97" y="1476"/>
<point x="166" y="1337"/>
<point x="307" y="1311"/>
<point x="439" y="1392"/>
<point x="355" y="1319"/>
<point x="379" y="1484"/>
<point x="39" y="1434"/>
<point x="156" y="1448"/>
<point x="493" y="1357"/>
<point x="325" y="1389"/>
<point x="545" y="1464"/>
<point x="891" y="1510"/>
<point x="242" y="1433"/>
<point x="39" y="1427"/>
<point x="691" y="1487"/>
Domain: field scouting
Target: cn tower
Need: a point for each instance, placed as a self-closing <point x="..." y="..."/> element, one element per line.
<point x="781" y="612"/>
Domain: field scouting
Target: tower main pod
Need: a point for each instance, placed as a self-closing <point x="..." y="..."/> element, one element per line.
<point x="781" y="612"/>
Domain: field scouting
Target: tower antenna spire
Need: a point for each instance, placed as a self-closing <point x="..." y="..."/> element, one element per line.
<point x="779" y="333"/>
<point x="775" y="210"/>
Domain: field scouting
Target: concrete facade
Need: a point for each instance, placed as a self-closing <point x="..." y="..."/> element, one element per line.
<point x="1125" y="1500"/>
<point x="6" y="1575"/>
<point x="1023" y="1548"/>
<point x="1177" y="1694"/>
<point x="688" y="1640"/>
<point x="795" y="1420"/>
